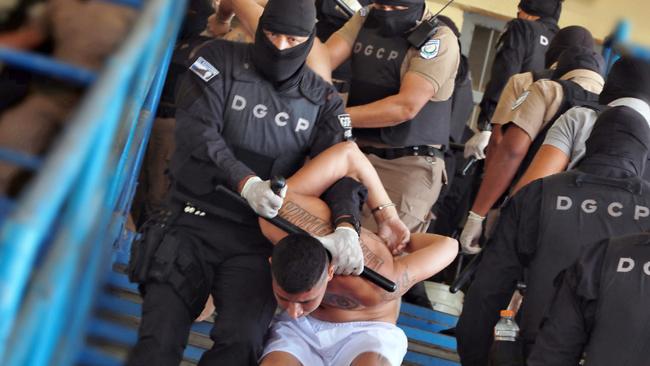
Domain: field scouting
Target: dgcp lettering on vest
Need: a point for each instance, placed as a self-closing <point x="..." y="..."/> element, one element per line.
<point x="380" y="53"/>
<point x="260" y="111"/>
<point x="613" y="209"/>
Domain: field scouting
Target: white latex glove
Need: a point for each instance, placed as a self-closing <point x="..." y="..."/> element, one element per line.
<point x="261" y="198"/>
<point x="343" y="245"/>
<point x="476" y="145"/>
<point x="472" y="233"/>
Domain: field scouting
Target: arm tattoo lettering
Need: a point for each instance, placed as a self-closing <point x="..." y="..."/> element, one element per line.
<point x="340" y="301"/>
<point x="371" y="259"/>
<point x="303" y="219"/>
<point x="404" y="283"/>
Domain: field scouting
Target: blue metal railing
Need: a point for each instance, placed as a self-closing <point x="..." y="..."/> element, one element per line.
<point x="80" y="197"/>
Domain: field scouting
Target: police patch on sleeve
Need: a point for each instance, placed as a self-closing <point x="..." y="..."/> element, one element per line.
<point x="346" y="123"/>
<point x="430" y="49"/>
<point x="204" y="69"/>
<point x="520" y="100"/>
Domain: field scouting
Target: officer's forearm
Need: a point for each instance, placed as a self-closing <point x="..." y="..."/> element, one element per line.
<point x="248" y="12"/>
<point x="499" y="173"/>
<point x="386" y="112"/>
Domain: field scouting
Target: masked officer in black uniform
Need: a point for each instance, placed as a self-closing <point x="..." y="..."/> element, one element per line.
<point x="544" y="227"/>
<point x="244" y="113"/>
<point x="520" y="49"/>
<point x="600" y="308"/>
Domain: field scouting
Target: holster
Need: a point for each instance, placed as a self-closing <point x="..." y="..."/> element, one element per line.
<point x="162" y="255"/>
<point x="145" y="246"/>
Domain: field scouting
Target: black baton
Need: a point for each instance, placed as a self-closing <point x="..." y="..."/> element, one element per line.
<point x="466" y="274"/>
<point x="277" y="183"/>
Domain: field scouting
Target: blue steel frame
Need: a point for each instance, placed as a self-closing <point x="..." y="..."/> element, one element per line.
<point x="80" y="197"/>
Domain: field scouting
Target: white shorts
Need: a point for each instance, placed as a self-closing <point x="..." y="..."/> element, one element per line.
<point x="318" y="343"/>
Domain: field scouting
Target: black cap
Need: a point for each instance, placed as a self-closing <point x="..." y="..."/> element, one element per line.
<point x="291" y="17"/>
<point x="574" y="35"/>
<point x="574" y="58"/>
<point x="541" y="8"/>
<point x="629" y="77"/>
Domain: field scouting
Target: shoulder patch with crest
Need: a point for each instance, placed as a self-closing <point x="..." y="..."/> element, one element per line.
<point x="346" y="123"/>
<point x="520" y="100"/>
<point x="204" y="69"/>
<point x="430" y="49"/>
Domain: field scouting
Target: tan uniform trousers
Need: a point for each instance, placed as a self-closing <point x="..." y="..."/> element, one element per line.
<point x="413" y="183"/>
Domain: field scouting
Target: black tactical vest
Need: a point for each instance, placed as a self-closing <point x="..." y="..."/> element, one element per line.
<point x="376" y="66"/>
<point x="462" y="103"/>
<point x="267" y="130"/>
<point x="578" y="209"/>
<point x="573" y="96"/>
<point x="621" y="335"/>
<point x="541" y="34"/>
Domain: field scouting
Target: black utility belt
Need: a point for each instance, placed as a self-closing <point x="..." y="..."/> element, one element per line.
<point x="399" y="152"/>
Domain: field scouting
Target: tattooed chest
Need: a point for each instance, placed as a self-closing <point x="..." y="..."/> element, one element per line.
<point x="341" y="301"/>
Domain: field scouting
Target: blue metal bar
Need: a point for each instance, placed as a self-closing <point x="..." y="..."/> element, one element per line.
<point x="20" y="238"/>
<point x="126" y="336"/>
<point x="127" y="308"/>
<point x="434" y="339"/>
<point x="61" y="268"/>
<point x="428" y="314"/>
<point x="420" y="323"/>
<point x="47" y="66"/>
<point x="121" y="281"/>
<point x="426" y="360"/>
<point x="20" y="159"/>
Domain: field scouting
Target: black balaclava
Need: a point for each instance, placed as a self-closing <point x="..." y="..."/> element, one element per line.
<point x="396" y="22"/>
<point x="576" y="57"/>
<point x="618" y="144"/>
<point x="290" y="17"/>
<point x="629" y="77"/>
<point x="542" y="8"/>
<point x="574" y="35"/>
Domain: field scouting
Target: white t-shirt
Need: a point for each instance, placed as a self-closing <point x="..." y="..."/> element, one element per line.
<point x="571" y="130"/>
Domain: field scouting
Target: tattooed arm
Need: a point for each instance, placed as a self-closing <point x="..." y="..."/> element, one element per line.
<point x="428" y="255"/>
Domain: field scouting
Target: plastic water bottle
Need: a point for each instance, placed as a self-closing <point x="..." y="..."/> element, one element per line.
<point x="506" y="329"/>
<point x="506" y="349"/>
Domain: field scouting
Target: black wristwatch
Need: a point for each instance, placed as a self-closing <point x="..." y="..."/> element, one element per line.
<point x="350" y="220"/>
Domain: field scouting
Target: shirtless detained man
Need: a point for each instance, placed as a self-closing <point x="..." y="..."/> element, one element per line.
<point x="341" y="320"/>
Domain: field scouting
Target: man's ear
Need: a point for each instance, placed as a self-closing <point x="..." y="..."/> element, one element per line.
<point x="270" y="261"/>
<point x="330" y="272"/>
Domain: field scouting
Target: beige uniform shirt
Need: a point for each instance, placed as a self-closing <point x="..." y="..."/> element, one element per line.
<point x="440" y="70"/>
<point x="516" y="86"/>
<point x="535" y="108"/>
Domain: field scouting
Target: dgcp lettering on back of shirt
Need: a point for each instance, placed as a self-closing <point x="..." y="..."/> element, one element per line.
<point x="628" y="264"/>
<point x="590" y="206"/>
<point x="380" y="53"/>
<point x="260" y="111"/>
